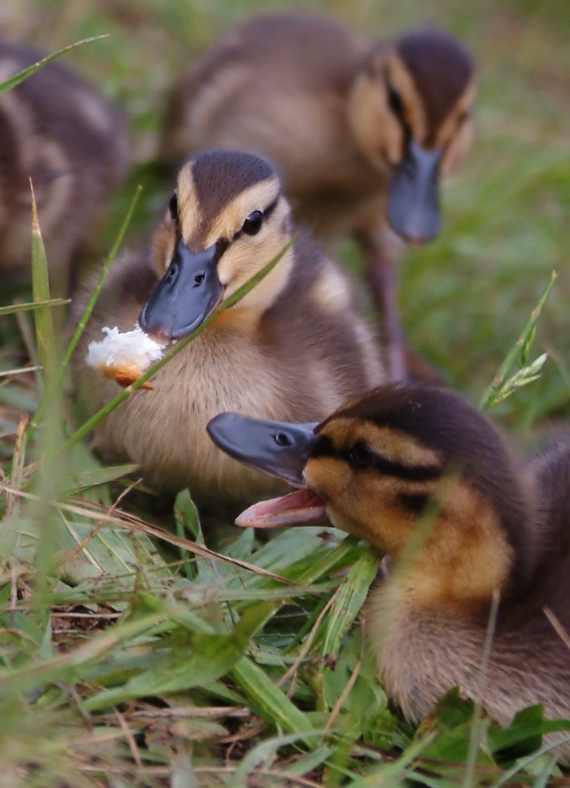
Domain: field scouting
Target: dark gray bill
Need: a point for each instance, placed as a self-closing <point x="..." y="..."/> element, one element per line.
<point x="185" y="296"/>
<point x="413" y="201"/>
<point x="277" y="448"/>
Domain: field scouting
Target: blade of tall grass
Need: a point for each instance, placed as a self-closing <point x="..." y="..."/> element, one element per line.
<point x="349" y="602"/>
<point x="543" y="778"/>
<point x="19" y="457"/>
<point x="477" y="728"/>
<point x="12" y="308"/>
<point x="264" y="754"/>
<point x="495" y="392"/>
<point x="206" y="657"/>
<point x="135" y="524"/>
<point x="77" y="483"/>
<point x="271" y="703"/>
<point x="45" y="336"/>
<point x="100" y="282"/>
<point x="39" y="512"/>
<point x="393" y="775"/>
<point x="10" y="373"/>
<point x="85" y="317"/>
<point x="524" y="762"/>
<point x="27" y="72"/>
<point x="306" y="576"/>
<point x="34" y="674"/>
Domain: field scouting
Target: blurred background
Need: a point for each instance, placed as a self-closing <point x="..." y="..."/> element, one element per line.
<point x="465" y="297"/>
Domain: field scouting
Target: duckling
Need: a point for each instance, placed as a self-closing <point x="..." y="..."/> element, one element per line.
<point x="414" y="463"/>
<point x="58" y="131"/>
<point x="361" y="130"/>
<point x="294" y="347"/>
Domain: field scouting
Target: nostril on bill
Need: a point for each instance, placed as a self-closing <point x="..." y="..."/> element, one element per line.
<point x="172" y="273"/>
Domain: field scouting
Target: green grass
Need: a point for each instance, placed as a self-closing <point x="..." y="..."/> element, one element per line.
<point x="133" y="655"/>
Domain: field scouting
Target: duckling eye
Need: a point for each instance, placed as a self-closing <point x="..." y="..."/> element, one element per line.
<point x="361" y="455"/>
<point x="252" y="225"/>
<point x="173" y="207"/>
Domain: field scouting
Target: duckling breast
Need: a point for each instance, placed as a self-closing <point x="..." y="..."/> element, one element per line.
<point x="422" y="654"/>
<point x="164" y="429"/>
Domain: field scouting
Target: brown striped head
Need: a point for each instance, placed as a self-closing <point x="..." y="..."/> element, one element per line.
<point x="411" y="111"/>
<point x="403" y="456"/>
<point x="402" y="463"/>
<point x="226" y="219"/>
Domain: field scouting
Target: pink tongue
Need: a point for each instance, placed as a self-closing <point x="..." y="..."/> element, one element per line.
<point x="301" y="507"/>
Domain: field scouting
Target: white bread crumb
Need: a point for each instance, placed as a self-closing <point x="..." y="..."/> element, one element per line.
<point x="124" y="355"/>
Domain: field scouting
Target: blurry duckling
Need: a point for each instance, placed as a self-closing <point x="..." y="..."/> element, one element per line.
<point x="362" y="131"/>
<point x="491" y="526"/>
<point x="58" y="131"/>
<point x="294" y="348"/>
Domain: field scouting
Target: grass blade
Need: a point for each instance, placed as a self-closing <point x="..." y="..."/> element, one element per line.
<point x="349" y="601"/>
<point x="100" y="282"/>
<point x="494" y="392"/>
<point x="45" y="336"/>
<point x="27" y="72"/>
<point x="272" y="704"/>
<point x="12" y="308"/>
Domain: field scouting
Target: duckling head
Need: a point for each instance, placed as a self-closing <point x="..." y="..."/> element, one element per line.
<point x="384" y="464"/>
<point x="226" y="219"/>
<point x="410" y="110"/>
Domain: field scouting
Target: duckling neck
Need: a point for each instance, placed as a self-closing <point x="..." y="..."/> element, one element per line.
<point x="466" y="557"/>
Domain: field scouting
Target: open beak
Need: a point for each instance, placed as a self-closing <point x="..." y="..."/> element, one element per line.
<point x="413" y="202"/>
<point x="280" y="449"/>
<point x="186" y="295"/>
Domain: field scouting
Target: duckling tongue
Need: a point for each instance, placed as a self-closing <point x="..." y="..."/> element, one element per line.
<point x="302" y="507"/>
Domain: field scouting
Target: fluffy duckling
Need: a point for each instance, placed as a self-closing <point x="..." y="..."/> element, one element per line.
<point x="292" y="349"/>
<point x="425" y="478"/>
<point x="361" y="130"/>
<point x="59" y="131"/>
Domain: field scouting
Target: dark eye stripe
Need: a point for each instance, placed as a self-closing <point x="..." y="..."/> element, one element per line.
<point x="270" y="208"/>
<point x="413" y="473"/>
<point x="173" y="208"/>
<point x="397" y="106"/>
<point x="413" y="503"/>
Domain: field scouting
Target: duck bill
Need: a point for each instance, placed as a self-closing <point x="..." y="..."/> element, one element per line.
<point x="186" y="295"/>
<point x="278" y="448"/>
<point x="413" y="202"/>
